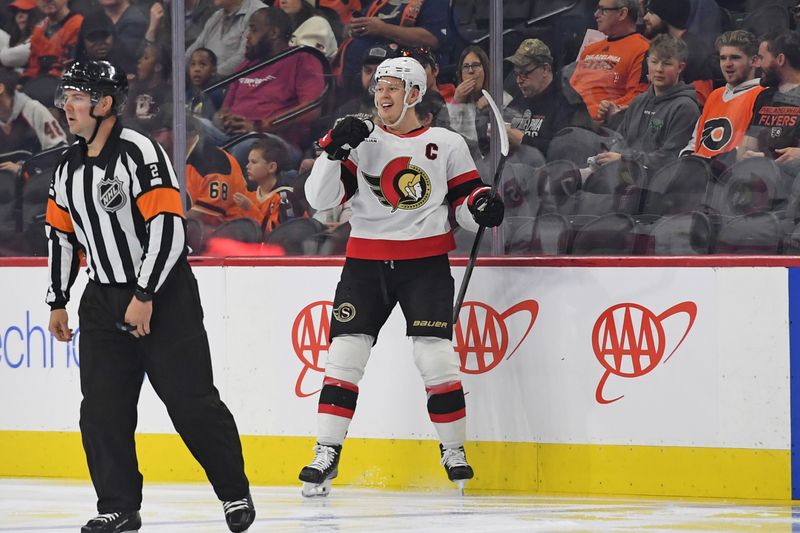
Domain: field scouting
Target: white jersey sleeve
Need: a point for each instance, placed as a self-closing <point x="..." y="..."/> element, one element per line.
<point x="331" y="183"/>
<point x="44" y="124"/>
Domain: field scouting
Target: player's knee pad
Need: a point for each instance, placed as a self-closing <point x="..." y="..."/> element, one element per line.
<point x="436" y="360"/>
<point x="347" y="357"/>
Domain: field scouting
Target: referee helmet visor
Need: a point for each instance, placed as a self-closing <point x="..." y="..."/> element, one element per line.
<point x="97" y="79"/>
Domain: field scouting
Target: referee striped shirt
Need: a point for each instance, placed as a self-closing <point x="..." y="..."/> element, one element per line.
<point x="122" y="209"/>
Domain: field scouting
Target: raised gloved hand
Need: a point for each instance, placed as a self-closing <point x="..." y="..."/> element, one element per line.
<point x="487" y="209"/>
<point x="345" y="135"/>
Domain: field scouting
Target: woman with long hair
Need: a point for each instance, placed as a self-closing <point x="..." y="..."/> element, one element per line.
<point x="469" y="110"/>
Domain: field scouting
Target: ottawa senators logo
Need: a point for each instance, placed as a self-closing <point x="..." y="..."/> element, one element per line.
<point x="401" y="185"/>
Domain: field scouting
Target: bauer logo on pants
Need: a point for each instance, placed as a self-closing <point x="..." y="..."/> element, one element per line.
<point x="629" y="341"/>
<point x="345" y="312"/>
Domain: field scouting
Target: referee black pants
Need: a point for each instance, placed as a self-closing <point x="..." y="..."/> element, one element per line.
<point x="176" y="358"/>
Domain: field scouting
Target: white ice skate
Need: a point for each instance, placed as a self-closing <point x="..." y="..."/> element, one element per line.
<point x="455" y="463"/>
<point x="317" y="476"/>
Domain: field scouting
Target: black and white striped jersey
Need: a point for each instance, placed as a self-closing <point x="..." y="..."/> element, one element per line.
<point x="122" y="209"/>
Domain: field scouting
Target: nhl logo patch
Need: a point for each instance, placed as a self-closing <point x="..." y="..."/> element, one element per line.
<point x="110" y="194"/>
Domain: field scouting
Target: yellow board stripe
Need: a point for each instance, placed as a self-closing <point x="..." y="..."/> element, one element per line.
<point x="414" y="464"/>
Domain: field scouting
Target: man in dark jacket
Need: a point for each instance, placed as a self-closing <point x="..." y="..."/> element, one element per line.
<point x="659" y="122"/>
<point x="543" y="109"/>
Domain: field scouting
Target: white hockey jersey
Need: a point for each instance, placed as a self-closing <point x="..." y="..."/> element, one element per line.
<point x="400" y="187"/>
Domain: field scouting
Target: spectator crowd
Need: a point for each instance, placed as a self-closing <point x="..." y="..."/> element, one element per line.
<point x="635" y="126"/>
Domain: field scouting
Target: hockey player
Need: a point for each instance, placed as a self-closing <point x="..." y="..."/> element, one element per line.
<point x="400" y="177"/>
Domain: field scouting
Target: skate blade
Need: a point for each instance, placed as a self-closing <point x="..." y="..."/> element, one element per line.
<point x="311" y="490"/>
<point x="461" y="483"/>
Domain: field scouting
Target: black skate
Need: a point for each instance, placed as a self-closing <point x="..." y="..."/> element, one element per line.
<point x="239" y="514"/>
<point x="317" y="476"/>
<point x="455" y="463"/>
<point x="113" y="523"/>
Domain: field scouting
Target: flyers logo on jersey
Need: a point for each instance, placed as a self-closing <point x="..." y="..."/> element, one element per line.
<point x="401" y="185"/>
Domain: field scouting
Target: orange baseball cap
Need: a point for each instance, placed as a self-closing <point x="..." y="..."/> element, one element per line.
<point x="23" y="5"/>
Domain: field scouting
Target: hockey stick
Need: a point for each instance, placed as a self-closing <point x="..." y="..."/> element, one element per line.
<point x="503" y="134"/>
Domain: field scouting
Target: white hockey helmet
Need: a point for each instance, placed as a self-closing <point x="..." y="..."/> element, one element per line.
<point x="407" y="69"/>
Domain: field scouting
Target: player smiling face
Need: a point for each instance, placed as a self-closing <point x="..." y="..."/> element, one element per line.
<point x="389" y="95"/>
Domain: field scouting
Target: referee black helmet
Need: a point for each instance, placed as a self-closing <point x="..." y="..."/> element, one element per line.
<point x="97" y="79"/>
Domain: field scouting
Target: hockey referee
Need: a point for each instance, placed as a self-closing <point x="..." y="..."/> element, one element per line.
<point x="115" y="199"/>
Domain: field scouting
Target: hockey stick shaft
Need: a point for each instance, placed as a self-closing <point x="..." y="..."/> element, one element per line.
<point x="473" y="255"/>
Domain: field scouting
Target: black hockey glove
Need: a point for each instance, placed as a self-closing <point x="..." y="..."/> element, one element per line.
<point x="487" y="210"/>
<point x="345" y="135"/>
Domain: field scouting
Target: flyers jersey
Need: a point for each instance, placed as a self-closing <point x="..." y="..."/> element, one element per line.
<point x="400" y="187"/>
<point x="725" y="119"/>
<point x="213" y="176"/>
<point x="273" y="208"/>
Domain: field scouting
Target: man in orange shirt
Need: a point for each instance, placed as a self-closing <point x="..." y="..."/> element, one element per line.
<point x="611" y="69"/>
<point x="53" y="40"/>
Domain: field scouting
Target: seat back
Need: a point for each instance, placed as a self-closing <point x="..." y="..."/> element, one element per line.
<point x="611" y="234"/>
<point x="750" y="186"/>
<point x="754" y="233"/>
<point x="291" y="234"/>
<point x="679" y="187"/>
<point x="683" y="234"/>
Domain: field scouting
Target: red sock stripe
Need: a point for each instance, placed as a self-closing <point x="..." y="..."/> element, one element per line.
<point x="335" y="410"/>
<point x="339" y="383"/>
<point x="443" y="388"/>
<point x="448" y="417"/>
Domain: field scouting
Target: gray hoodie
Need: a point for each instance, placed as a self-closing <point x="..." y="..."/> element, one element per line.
<point x="656" y="128"/>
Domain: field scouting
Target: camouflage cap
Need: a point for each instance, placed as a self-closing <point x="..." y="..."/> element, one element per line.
<point x="531" y="51"/>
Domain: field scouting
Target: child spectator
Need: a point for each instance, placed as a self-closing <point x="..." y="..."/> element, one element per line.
<point x="151" y="89"/>
<point x="659" y="122"/>
<point x="15" y="46"/>
<point x="202" y="70"/>
<point x="273" y="203"/>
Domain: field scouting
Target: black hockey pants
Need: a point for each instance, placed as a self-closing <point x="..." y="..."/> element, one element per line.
<point x="176" y="358"/>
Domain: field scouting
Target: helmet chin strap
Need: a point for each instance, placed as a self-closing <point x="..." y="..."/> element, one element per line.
<point x="97" y="122"/>
<point x="406" y="107"/>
